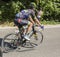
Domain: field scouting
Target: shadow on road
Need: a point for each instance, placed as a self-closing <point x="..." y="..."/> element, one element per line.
<point x="22" y="49"/>
<point x="0" y="47"/>
<point x="0" y="41"/>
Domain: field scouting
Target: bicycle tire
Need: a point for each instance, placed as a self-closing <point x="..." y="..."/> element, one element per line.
<point x="8" y="40"/>
<point x="36" y="39"/>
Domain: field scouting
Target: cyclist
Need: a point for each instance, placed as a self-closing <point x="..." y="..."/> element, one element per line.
<point x="25" y="17"/>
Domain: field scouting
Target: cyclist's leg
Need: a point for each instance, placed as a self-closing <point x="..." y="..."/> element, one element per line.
<point x="29" y="27"/>
<point x="28" y="30"/>
<point x="25" y="22"/>
<point x="30" y="24"/>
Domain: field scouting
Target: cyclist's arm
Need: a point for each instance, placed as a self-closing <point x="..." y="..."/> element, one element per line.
<point x="37" y="20"/>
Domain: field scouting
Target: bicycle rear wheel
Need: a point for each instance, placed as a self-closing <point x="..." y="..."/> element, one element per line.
<point x="37" y="38"/>
<point x="9" y="41"/>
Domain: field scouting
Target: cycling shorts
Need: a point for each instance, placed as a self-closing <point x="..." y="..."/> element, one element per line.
<point x="21" y="22"/>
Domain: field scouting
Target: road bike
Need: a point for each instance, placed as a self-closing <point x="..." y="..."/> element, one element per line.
<point x="16" y="39"/>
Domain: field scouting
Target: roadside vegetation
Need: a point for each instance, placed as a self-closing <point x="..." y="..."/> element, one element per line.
<point x="8" y="9"/>
<point x="42" y="22"/>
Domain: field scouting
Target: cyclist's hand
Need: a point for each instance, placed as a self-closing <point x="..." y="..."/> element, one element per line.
<point x="42" y="27"/>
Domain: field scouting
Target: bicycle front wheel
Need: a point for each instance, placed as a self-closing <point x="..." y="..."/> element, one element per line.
<point x="36" y="38"/>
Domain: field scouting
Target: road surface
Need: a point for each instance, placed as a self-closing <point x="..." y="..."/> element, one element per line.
<point x="50" y="46"/>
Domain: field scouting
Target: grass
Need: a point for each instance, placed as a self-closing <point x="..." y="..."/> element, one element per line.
<point x="42" y="22"/>
<point x="7" y="24"/>
<point x="50" y="22"/>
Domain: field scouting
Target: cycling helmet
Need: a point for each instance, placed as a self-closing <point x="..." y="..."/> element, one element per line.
<point x="32" y="5"/>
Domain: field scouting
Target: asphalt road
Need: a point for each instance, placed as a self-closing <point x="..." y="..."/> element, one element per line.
<point x="50" y="46"/>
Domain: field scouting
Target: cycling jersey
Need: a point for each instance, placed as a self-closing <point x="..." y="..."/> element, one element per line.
<point x="24" y="14"/>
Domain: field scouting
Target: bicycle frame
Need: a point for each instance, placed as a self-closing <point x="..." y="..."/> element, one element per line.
<point x="22" y="28"/>
<point x="33" y="31"/>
